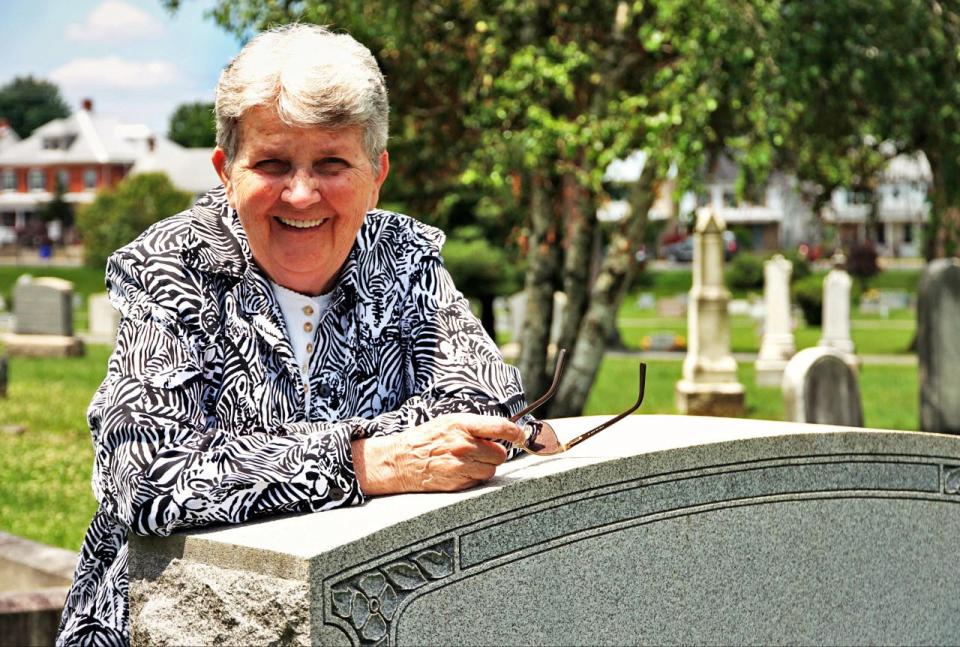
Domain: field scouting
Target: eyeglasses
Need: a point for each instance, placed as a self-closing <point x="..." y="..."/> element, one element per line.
<point x="543" y="440"/>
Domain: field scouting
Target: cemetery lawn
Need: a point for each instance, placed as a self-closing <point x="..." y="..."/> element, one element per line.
<point x="890" y="393"/>
<point x="45" y="471"/>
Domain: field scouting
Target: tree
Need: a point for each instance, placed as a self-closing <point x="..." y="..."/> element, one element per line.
<point x="525" y="103"/>
<point x="480" y="270"/>
<point x="118" y="215"/>
<point x="193" y="125"/>
<point x="27" y="103"/>
<point x="866" y="80"/>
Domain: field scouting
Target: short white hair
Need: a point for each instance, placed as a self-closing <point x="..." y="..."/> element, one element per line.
<point x="311" y="77"/>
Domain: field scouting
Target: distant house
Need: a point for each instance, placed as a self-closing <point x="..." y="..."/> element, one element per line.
<point x="84" y="153"/>
<point x="902" y="209"/>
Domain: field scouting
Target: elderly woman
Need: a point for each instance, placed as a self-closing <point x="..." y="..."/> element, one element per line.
<point x="277" y="337"/>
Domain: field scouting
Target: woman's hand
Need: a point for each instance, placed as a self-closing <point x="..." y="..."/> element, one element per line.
<point x="449" y="453"/>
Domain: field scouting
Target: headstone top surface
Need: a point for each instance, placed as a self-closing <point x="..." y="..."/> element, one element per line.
<point x="297" y="536"/>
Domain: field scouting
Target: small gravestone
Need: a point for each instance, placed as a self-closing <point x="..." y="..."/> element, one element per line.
<point x="104" y="318"/>
<point x="820" y="387"/>
<point x="938" y="346"/>
<point x="43" y="319"/>
<point x="836" y="310"/>
<point x="777" y="346"/>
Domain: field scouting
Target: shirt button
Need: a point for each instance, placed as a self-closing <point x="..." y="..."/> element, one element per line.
<point x="309" y="348"/>
<point x="308" y="326"/>
<point x="306" y="388"/>
<point x="308" y="310"/>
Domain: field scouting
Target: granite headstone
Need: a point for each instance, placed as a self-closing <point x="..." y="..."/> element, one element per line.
<point x="43" y="306"/>
<point x="43" y="319"/>
<point x="103" y="317"/>
<point x="938" y="346"/>
<point x="661" y="530"/>
<point x="820" y="387"/>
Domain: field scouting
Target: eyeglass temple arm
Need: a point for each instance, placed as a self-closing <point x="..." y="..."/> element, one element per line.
<point x="596" y="430"/>
<point x="557" y="372"/>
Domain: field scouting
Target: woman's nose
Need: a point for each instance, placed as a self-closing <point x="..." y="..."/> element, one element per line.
<point x="302" y="191"/>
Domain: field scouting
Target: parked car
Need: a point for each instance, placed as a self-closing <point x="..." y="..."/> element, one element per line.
<point x="682" y="251"/>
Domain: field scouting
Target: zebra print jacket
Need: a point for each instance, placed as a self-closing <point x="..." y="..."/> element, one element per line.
<point x="200" y="417"/>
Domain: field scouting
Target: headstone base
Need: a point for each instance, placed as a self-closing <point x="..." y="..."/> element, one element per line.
<point x="43" y="346"/>
<point x="769" y="372"/>
<point x="725" y="400"/>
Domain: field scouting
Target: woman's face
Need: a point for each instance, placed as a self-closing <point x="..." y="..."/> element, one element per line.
<point x="301" y="194"/>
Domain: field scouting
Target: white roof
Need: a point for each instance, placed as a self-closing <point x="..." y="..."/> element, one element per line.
<point x="90" y="139"/>
<point x="190" y="169"/>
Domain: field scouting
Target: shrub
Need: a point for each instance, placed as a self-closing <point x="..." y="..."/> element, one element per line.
<point x="745" y="272"/>
<point x="119" y="215"/>
<point x="862" y="263"/>
<point x="801" y="266"/>
<point x="808" y="295"/>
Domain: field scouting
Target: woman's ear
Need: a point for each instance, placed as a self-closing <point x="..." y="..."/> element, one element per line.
<point x="379" y="180"/>
<point x="219" y="160"/>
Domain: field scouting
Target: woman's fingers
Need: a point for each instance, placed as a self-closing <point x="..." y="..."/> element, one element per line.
<point x="490" y="427"/>
<point x="448" y="453"/>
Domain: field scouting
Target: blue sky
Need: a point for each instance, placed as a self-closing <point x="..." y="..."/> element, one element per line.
<point x="133" y="58"/>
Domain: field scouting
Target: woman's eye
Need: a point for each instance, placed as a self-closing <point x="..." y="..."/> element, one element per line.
<point x="273" y="167"/>
<point x="332" y="165"/>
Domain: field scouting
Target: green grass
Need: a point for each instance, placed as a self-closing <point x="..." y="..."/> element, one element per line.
<point x="871" y="335"/>
<point x="45" y="471"/>
<point x="889" y="393"/>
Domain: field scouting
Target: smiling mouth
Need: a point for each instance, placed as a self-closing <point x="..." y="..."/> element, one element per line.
<point x="300" y="224"/>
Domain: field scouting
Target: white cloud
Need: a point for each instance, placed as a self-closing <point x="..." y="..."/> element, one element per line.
<point x="115" y="73"/>
<point x="114" y="20"/>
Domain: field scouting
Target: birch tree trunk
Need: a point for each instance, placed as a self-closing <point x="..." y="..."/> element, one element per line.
<point x="616" y="271"/>
<point x="579" y="224"/>
<point x="542" y="265"/>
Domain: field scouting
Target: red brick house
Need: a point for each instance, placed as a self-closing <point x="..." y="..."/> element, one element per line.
<point x="85" y="153"/>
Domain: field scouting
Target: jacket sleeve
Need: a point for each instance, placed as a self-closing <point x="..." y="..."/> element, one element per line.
<point x="160" y="466"/>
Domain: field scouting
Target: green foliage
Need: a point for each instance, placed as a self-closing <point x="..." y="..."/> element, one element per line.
<point x="808" y="295"/>
<point x="801" y="266"/>
<point x="28" y="103"/>
<point x="745" y="272"/>
<point x="119" y="215"/>
<point x="193" y="125"/>
<point x="479" y="268"/>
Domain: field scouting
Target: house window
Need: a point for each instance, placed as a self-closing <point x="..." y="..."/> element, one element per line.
<point x="37" y="180"/>
<point x="9" y="180"/>
<point x="729" y="198"/>
<point x="90" y="178"/>
<point x="8" y="218"/>
<point x="63" y="179"/>
<point x="908" y="233"/>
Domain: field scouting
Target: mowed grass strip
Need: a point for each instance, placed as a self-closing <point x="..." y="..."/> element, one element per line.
<point x="889" y="392"/>
<point x="45" y="472"/>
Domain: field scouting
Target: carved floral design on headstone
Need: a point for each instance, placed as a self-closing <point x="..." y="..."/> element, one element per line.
<point x="369" y="601"/>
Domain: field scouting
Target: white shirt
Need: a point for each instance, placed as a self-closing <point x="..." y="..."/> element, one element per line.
<point x="301" y="313"/>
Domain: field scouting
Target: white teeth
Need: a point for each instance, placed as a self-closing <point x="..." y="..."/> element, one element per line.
<point x="302" y="224"/>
